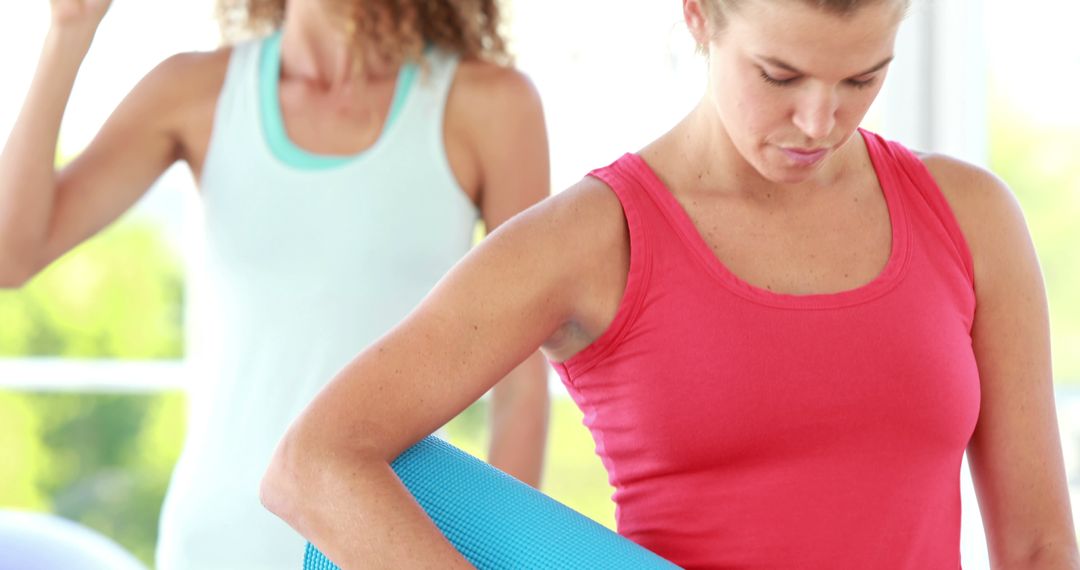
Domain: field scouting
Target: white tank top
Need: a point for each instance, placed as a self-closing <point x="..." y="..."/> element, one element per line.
<point x="304" y="260"/>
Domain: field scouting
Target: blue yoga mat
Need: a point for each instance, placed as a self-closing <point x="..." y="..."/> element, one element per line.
<point x="498" y="522"/>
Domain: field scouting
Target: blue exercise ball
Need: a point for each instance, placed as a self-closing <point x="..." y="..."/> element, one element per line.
<point x="39" y="541"/>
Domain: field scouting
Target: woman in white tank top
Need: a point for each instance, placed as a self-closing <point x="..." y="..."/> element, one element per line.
<point x="341" y="171"/>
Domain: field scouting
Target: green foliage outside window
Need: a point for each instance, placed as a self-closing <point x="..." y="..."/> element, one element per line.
<point x="1039" y="163"/>
<point x="101" y="459"/>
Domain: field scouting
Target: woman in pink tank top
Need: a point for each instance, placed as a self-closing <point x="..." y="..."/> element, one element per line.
<point x="784" y="332"/>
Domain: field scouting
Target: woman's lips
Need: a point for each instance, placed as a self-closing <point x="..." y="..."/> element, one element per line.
<point x="804" y="157"/>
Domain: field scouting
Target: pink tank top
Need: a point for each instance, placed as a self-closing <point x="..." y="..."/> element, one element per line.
<point x="743" y="428"/>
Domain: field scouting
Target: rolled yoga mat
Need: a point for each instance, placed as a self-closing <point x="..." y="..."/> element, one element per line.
<point x="498" y="522"/>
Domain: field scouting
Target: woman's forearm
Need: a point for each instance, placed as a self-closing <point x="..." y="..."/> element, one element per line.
<point x="354" y="509"/>
<point x="27" y="162"/>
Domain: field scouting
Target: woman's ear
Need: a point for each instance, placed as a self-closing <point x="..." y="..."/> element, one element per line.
<point x="697" y="22"/>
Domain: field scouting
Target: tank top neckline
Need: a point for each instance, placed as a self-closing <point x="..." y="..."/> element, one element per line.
<point x="885" y="281"/>
<point x="275" y="137"/>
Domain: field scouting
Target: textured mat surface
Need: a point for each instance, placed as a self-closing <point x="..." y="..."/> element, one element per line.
<point x="498" y="522"/>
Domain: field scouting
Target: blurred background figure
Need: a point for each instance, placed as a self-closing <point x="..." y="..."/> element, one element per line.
<point x="343" y="158"/>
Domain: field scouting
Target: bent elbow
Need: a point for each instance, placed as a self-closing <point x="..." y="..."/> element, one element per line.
<point x="281" y="481"/>
<point x="13" y="274"/>
<point x="313" y="468"/>
<point x="272" y="495"/>
<point x="303" y="474"/>
<point x="17" y="267"/>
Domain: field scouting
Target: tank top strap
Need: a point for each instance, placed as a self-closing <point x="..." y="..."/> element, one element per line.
<point x="236" y="116"/>
<point x="423" y="94"/>
<point x="621" y="177"/>
<point x="927" y="198"/>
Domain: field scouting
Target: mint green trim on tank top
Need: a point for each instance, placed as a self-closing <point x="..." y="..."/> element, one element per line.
<point x="277" y="138"/>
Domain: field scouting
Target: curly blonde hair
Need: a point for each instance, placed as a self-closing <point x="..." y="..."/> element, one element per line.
<point x="395" y="30"/>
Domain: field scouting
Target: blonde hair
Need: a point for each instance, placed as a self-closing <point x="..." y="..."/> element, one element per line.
<point x="395" y="30"/>
<point x="716" y="10"/>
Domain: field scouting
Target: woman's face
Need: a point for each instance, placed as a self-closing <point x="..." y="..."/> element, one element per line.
<point x="791" y="82"/>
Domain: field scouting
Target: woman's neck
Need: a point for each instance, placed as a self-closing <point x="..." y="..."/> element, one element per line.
<point x="316" y="47"/>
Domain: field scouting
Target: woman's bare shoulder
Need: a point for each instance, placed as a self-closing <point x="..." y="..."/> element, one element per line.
<point x="490" y="97"/>
<point x="987" y="211"/>
<point x="501" y="83"/>
<point x="182" y="84"/>
<point x="193" y="73"/>
<point x="976" y="195"/>
<point x="586" y="219"/>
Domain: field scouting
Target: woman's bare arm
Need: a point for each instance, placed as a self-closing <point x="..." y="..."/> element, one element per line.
<point x="43" y="212"/>
<point x="1015" y="453"/>
<point x="330" y="477"/>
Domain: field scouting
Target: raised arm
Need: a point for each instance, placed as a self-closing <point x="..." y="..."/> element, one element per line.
<point x="502" y="112"/>
<point x="1015" y="453"/>
<point x="524" y="286"/>
<point x="44" y="213"/>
